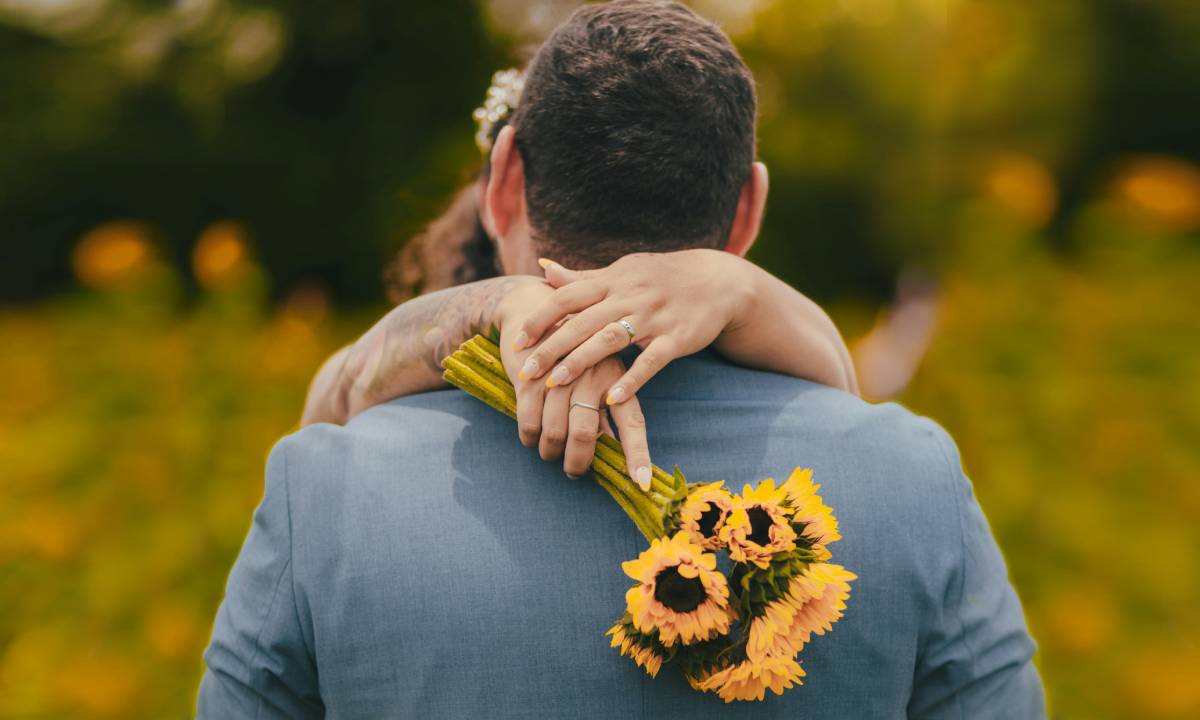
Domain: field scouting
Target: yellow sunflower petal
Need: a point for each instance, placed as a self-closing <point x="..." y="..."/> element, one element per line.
<point x="749" y="680"/>
<point x="680" y="557"/>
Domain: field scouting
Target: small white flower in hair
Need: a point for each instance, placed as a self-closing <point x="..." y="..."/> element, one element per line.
<point x="502" y="98"/>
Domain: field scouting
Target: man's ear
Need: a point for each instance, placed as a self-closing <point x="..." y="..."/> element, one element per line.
<point x="504" y="195"/>
<point x="751" y="204"/>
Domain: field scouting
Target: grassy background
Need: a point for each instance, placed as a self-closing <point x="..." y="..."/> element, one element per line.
<point x="132" y="440"/>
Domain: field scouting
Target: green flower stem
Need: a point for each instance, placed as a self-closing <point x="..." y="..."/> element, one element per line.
<point x="623" y="501"/>
<point x="486" y="348"/>
<point x="478" y="386"/>
<point x="487" y="353"/>
<point x="662" y="475"/>
<point x="647" y="509"/>
<point x="477" y="369"/>
<point x="456" y="378"/>
<point x="484" y="373"/>
<point x="487" y="345"/>
<point x="610" y="449"/>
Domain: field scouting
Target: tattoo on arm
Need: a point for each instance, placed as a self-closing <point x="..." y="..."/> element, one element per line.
<point x="419" y="334"/>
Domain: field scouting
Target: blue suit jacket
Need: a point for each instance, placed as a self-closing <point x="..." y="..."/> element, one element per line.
<point x="420" y="562"/>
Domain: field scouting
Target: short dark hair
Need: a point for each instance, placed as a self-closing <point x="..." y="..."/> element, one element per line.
<point x="636" y="128"/>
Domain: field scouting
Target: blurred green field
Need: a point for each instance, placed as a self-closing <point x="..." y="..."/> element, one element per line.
<point x="133" y="436"/>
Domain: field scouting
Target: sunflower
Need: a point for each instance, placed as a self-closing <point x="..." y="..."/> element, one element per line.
<point x="636" y="646"/>
<point x="703" y="514"/>
<point x="759" y="527"/>
<point x="823" y="589"/>
<point x="770" y="632"/>
<point x="814" y="601"/>
<point x="812" y="518"/>
<point x="750" y="679"/>
<point x="680" y="594"/>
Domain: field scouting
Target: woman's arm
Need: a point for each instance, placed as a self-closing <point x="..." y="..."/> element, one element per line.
<point x="781" y="330"/>
<point x="402" y="353"/>
<point x="679" y="303"/>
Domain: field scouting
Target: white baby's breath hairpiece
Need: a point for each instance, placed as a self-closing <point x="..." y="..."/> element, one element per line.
<point x="502" y="98"/>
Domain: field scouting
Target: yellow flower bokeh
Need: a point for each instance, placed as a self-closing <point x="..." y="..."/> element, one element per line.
<point x="113" y="254"/>
<point x="1070" y="390"/>
<point x="221" y="255"/>
<point x="1165" y="190"/>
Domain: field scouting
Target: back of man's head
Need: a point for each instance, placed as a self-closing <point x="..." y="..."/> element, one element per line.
<point x="636" y="128"/>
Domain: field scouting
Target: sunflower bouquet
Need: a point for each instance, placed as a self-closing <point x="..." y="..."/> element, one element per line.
<point x="735" y="632"/>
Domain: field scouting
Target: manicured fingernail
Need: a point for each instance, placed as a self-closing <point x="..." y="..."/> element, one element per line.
<point x="642" y="475"/>
<point x="558" y="377"/>
<point x="546" y="263"/>
<point x="528" y="369"/>
<point x="521" y="341"/>
<point x="616" y="395"/>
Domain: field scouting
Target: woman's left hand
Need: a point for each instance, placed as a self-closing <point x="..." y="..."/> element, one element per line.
<point x="566" y="421"/>
<point x="675" y="303"/>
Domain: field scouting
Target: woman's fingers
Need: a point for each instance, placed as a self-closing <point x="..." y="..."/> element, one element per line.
<point x="561" y="303"/>
<point x="563" y="340"/>
<point x="632" y="426"/>
<point x="605" y="425"/>
<point x="611" y="339"/>
<point x="558" y="276"/>
<point x="530" y="401"/>
<point x="555" y="422"/>
<point x="583" y="428"/>
<point x="654" y="358"/>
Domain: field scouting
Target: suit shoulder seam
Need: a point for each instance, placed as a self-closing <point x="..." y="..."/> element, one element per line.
<point x="278" y="585"/>
<point x="938" y="435"/>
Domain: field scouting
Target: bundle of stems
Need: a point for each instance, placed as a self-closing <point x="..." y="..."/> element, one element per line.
<point x="477" y="369"/>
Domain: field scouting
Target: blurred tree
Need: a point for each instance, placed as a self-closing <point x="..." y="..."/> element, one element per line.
<point x="302" y="120"/>
<point x="332" y="131"/>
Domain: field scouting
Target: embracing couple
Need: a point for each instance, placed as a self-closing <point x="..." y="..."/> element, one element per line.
<point x="412" y="558"/>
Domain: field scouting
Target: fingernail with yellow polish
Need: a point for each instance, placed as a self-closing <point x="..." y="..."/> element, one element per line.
<point x="546" y="263"/>
<point x="521" y="341"/>
<point x="616" y="395"/>
<point x="642" y="475"/>
<point x="558" y="377"/>
<point x="528" y="369"/>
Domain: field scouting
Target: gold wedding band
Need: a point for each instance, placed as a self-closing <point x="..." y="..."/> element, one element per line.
<point x="585" y="405"/>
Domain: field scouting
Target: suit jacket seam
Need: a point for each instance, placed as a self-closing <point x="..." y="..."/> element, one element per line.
<point x="274" y="594"/>
<point x="962" y="560"/>
<point x="287" y="494"/>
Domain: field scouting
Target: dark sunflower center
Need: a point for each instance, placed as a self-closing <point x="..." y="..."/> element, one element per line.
<point x="708" y="520"/>
<point x="760" y="526"/>
<point x="677" y="592"/>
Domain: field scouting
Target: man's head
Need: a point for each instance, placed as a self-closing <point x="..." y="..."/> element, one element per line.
<point x="635" y="132"/>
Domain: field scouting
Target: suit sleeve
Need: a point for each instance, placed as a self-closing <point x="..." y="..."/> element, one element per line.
<point x="976" y="659"/>
<point x="257" y="663"/>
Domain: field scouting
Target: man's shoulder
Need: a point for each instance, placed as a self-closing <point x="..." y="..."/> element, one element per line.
<point x="782" y="417"/>
<point x="718" y="411"/>
<point x="404" y="436"/>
